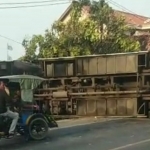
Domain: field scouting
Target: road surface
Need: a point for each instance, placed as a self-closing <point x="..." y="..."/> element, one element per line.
<point x="124" y="134"/>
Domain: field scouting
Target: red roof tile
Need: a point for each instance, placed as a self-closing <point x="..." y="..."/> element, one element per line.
<point x="133" y="19"/>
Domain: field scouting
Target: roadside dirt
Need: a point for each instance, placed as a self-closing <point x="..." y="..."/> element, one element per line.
<point x="82" y="121"/>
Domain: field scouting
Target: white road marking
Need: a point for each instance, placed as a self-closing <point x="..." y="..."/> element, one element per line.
<point x="130" y="145"/>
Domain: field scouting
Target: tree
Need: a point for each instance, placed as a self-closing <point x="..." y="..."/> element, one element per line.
<point x="112" y="30"/>
<point x="101" y="32"/>
<point x="30" y="46"/>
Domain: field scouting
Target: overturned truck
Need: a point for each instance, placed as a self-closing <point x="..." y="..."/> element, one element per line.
<point x="17" y="67"/>
<point x="103" y="85"/>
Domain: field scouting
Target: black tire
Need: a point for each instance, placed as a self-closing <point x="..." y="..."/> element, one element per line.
<point x="31" y="124"/>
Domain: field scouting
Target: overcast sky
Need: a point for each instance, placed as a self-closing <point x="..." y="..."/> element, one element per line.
<point x="19" y="22"/>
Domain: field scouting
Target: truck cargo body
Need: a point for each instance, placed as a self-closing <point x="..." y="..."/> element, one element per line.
<point x="104" y="85"/>
<point x="19" y="67"/>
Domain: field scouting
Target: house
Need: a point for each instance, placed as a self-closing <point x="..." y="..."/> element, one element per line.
<point x="138" y="22"/>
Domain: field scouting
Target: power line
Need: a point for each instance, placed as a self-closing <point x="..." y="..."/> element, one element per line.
<point x="26" y="7"/>
<point x="124" y="8"/>
<point x="118" y="5"/>
<point x="112" y="2"/>
<point x="10" y="39"/>
<point x="35" y="2"/>
<point x="23" y="6"/>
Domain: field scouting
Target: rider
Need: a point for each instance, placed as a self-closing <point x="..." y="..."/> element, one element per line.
<point x="16" y="102"/>
<point x="4" y="108"/>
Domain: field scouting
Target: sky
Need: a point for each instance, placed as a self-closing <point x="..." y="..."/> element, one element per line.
<point x="17" y="23"/>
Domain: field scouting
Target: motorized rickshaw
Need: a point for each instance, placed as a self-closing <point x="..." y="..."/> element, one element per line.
<point x="33" y="122"/>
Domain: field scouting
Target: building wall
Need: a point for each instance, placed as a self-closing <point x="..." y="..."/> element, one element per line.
<point x="84" y="15"/>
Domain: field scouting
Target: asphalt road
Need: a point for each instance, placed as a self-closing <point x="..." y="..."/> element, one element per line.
<point x="124" y="134"/>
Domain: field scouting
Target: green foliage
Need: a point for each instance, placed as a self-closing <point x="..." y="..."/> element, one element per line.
<point x="31" y="45"/>
<point x="101" y="32"/>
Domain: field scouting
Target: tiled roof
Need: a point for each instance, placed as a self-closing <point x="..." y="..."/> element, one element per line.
<point x="131" y="19"/>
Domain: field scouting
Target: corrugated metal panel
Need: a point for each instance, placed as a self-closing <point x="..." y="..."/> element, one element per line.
<point x="101" y="107"/>
<point x="132" y="65"/>
<point x="70" y="69"/>
<point x="107" y="107"/>
<point x="85" y="66"/>
<point x="93" y="66"/>
<point x="120" y="64"/>
<point x="49" y="70"/>
<point x="111" y="65"/>
<point x="121" y="106"/>
<point x="79" y="66"/>
<point x="111" y="107"/>
<point x="81" y="107"/>
<point x="130" y="106"/>
<point x="91" y="107"/>
<point x="101" y="65"/>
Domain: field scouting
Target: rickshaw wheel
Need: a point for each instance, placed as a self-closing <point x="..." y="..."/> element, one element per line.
<point x="38" y="129"/>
